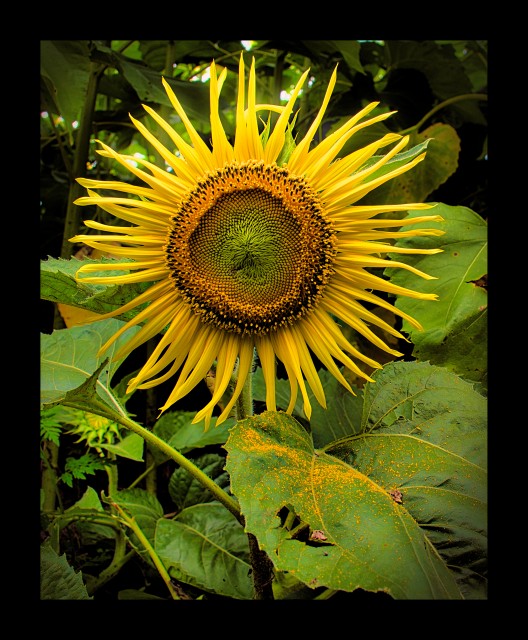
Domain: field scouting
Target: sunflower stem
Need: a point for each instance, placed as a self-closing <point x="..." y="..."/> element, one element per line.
<point x="151" y="479"/>
<point x="466" y="96"/>
<point x="262" y="568"/>
<point x="121" y="557"/>
<point x="111" y="472"/>
<point x="131" y="523"/>
<point x="100" y="408"/>
<point x="244" y="404"/>
<point x="261" y="565"/>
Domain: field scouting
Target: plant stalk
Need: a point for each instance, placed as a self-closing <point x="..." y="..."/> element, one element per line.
<point x="261" y="565"/>
<point x="130" y="522"/>
<point x="100" y="408"/>
<point x="439" y="107"/>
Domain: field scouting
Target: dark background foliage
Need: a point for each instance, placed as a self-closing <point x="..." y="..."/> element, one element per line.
<point x="424" y="82"/>
<point x="89" y="88"/>
<point x="410" y="77"/>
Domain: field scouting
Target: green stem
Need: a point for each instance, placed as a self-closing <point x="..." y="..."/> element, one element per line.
<point x="326" y="594"/>
<point x="262" y="570"/>
<point x="93" y="516"/>
<point x="64" y="155"/>
<point x="151" y="411"/>
<point x="111" y="472"/>
<point x="442" y="105"/>
<point x="148" y="471"/>
<point x="49" y="477"/>
<point x="130" y="522"/>
<point x="261" y="565"/>
<point x="100" y="408"/>
<point x="121" y="557"/>
<point x="244" y="403"/>
<point x="118" y="562"/>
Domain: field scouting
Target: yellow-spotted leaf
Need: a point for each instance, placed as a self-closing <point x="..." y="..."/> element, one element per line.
<point x="424" y="440"/>
<point x="348" y="531"/>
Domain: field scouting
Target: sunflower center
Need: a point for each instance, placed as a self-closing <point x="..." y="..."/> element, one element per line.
<point x="250" y="249"/>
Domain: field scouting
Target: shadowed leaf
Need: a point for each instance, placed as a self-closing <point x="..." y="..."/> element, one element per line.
<point x="205" y="546"/>
<point x="58" y="580"/>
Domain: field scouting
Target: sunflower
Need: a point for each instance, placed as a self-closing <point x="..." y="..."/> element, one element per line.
<point x="248" y="257"/>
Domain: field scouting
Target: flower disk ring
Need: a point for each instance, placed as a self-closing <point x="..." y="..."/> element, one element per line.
<point x="250" y="249"/>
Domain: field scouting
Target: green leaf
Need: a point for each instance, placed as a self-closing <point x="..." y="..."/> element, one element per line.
<point x="441" y="162"/>
<point x="425" y="435"/>
<point x="350" y="50"/>
<point x="136" y="594"/>
<point x="455" y="326"/>
<point x="58" y="284"/>
<point x="176" y="429"/>
<point x="65" y="65"/>
<point x="193" y="96"/>
<point x="86" y="464"/>
<point x="342" y="416"/>
<point x="445" y="73"/>
<point x="424" y="395"/>
<point x="90" y="532"/>
<point x="146" y="510"/>
<point x="130" y="447"/>
<point x="371" y="542"/>
<point x="89" y="500"/>
<point x="58" y="580"/>
<point x="399" y="160"/>
<point x="69" y="358"/>
<point x="50" y="425"/>
<point x="206" y="547"/>
<point x="186" y="491"/>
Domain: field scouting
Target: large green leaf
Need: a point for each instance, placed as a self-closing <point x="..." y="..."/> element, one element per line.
<point x="441" y="162"/>
<point x="58" y="580"/>
<point x="350" y="50"/>
<point x="341" y="417"/>
<point x="369" y="540"/>
<point x="418" y="392"/>
<point x="205" y="546"/>
<point x="69" y="358"/>
<point x="425" y="435"/>
<point x="178" y="430"/>
<point x="455" y="327"/>
<point x="65" y="65"/>
<point x="445" y="72"/>
<point x="58" y="284"/>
